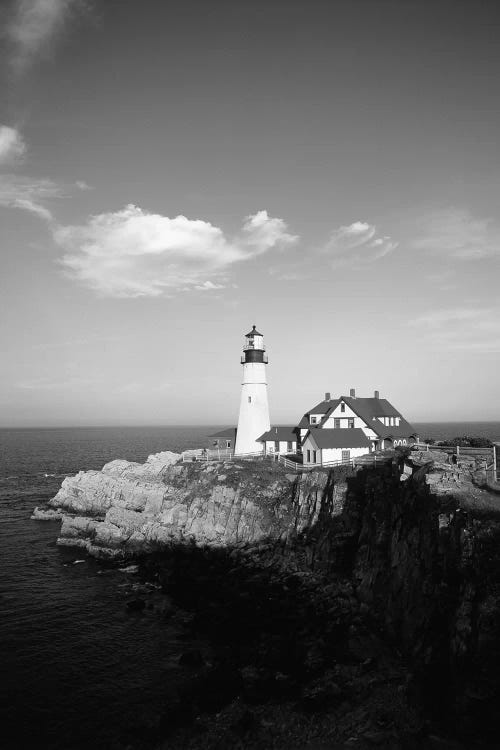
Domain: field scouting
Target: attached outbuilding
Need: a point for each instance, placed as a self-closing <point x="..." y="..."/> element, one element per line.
<point x="280" y="440"/>
<point x="225" y="439"/>
<point x="322" y="447"/>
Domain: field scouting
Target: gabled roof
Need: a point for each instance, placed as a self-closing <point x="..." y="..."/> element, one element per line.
<point x="353" y="437"/>
<point x="324" y="407"/>
<point x="369" y="409"/>
<point x="229" y="432"/>
<point x="283" y="432"/>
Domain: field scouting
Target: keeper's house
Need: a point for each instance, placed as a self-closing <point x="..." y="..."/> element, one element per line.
<point x="349" y="426"/>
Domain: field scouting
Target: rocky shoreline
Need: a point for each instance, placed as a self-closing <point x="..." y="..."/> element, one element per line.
<point x="356" y="607"/>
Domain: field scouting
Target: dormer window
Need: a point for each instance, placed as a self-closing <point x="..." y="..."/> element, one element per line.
<point x="342" y="407"/>
<point x="314" y="420"/>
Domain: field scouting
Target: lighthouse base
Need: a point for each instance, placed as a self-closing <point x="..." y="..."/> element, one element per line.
<point x="253" y="419"/>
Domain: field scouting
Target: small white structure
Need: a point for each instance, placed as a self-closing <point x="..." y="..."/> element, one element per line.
<point x="281" y="440"/>
<point x="253" y="419"/>
<point x="325" y="446"/>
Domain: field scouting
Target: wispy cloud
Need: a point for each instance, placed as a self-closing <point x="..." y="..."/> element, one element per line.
<point x="29" y="194"/>
<point x="134" y="253"/>
<point x="473" y="329"/>
<point x="456" y="233"/>
<point x="12" y="145"/>
<point x="33" y="26"/>
<point x="48" y="384"/>
<point x="358" y="243"/>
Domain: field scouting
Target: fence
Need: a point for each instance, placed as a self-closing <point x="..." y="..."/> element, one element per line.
<point x="370" y="459"/>
<point x="216" y="454"/>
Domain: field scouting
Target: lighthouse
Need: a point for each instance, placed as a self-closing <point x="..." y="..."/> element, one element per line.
<point x="253" y="420"/>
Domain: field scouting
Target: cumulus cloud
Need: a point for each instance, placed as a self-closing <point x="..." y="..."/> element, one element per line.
<point x="473" y="329"/>
<point x="458" y="234"/>
<point x="28" y="194"/>
<point x="33" y="25"/>
<point x="134" y="253"/>
<point x="12" y="145"/>
<point x="357" y="244"/>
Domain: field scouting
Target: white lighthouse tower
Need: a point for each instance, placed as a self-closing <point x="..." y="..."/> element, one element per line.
<point x="254" y="408"/>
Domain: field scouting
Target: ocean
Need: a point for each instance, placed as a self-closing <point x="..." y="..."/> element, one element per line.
<point x="78" y="669"/>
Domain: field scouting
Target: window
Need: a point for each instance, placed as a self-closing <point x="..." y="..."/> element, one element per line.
<point x="249" y="399"/>
<point x="350" y="423"/>
<point x="346" y="456"/>
<point x="314" y="457"/>
<point x="308" y="457"/>
<point x="228" y="443"/>
<point x="276" y="445"/>
<point x="289" y="446"/>
<point x="336" y="423"/>
<point x="342" y="407"/>
<point x="313" y="420"/>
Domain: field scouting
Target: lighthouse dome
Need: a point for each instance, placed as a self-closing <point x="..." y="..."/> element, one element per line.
<point x="253" y="332"/>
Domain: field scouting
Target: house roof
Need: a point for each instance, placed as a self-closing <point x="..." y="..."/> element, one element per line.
<point x="369" y="409"/>
<point x="324" y="407"/>
<point x="229" y="432"/>
<point x="353" y="437"/>
<point x="282" y="432"/>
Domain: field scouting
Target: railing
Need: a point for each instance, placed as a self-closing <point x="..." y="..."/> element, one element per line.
<point x="369" y="459"/>
<point x="209" y="454"/>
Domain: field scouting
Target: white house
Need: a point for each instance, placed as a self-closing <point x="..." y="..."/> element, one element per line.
<point x="324" y="446"/>
<point x="382" y="424"/>
<point x="279" y="440"/>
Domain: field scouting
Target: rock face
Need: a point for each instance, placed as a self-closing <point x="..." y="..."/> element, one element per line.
<point x="128" y="507"/>
<point x="421" y="542"/>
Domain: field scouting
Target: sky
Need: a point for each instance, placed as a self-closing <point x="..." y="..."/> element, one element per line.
<point x="173" y="173"/>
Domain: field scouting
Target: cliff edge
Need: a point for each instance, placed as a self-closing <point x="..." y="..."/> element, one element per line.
<point x="129" y="508"/>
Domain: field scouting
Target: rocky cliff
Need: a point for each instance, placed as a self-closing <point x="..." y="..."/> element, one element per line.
<point x="128" y="507"/>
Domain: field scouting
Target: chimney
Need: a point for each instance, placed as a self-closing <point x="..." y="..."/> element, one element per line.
<point x="376" y="394"/>
<point x="352" y="393"/>
<point x="327" y="396"/>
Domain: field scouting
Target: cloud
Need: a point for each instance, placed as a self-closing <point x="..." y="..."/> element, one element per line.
<point x="134" y="253"/>
<point x="357" y="244"/>
<point x="28" y="194"/>
<point x="456" y="233"/>
<point x="208" y="286"/>
<point x="472" y="329"/>
<point x="12" y="145"/>
<point x="47" y="384"/>
<point x="82" y="185"/>
<point x="33" y="25"/>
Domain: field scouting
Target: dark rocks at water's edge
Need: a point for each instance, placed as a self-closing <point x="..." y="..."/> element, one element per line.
<point x="308" y="587"/>
<point x="294" y="661"/>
